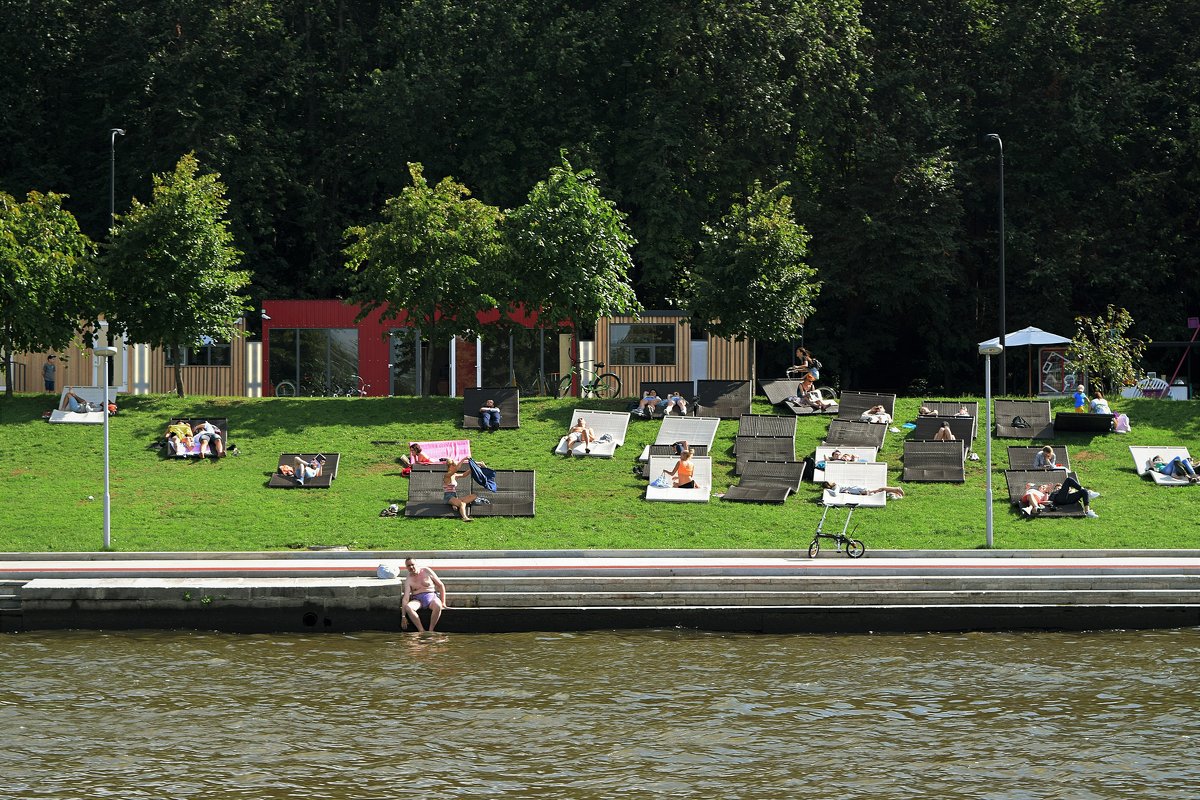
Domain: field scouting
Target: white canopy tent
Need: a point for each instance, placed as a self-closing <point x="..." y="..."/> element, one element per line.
<point x="1027" y="338"/>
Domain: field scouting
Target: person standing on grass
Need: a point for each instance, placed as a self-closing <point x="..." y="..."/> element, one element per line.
<point x="422" y="589"/>
<point x="49" y="370"/>
<point x="1081" y="399"/>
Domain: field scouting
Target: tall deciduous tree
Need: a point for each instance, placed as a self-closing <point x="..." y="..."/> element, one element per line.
<point x="1102" y="349"/>
<point x="569" y="250"/>
<point x="47" y="289"/>
<point x="432" y="257"/>
<point x="751" y="279"/>
<point x="172" y="266"/>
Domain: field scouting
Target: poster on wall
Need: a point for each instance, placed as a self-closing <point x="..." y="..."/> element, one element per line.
<point x="1058" y="376"/>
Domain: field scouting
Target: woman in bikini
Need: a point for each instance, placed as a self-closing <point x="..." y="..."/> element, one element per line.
<point x="450" y="489"/>
<point x="683" y="473"/>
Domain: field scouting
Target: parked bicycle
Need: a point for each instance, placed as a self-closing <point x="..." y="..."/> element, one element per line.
<point x="605" y="385"/>
<point x="854" y="548"/>
<point x="357" y="387"/>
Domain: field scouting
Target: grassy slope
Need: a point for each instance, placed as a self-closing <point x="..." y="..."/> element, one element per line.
<point x="48" y="471"/>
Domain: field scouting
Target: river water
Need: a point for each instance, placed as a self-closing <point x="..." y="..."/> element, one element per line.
<point x="608" y="714"/>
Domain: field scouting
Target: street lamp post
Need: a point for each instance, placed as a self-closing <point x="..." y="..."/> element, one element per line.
<point x="105" y="353"/>
<point x="989" y="350"/>
<point x="112" y="176"/>
<point x="1003" y="377"/>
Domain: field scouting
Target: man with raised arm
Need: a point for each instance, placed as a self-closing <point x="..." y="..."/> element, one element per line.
<point x="422" y="589"/>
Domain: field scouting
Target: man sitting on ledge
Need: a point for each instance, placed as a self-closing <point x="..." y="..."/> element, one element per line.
<point x="422" y="589"/>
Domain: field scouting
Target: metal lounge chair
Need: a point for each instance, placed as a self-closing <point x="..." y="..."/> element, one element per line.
<point x="693" y="430"/>
<point x="766" y="425"/>
<point x="950" y="408"/>
<point x="322" y="481"/>
<point x="515" y="495"/>
<point x="868" y="476"/>
<point x="1021" y="457"/>
<point x="852" y="405"/>
<point x="610" y="428"/>
<point x="1035" y="414"/>
<point x="507" y="399"/>
<point x="763" y="448"/>
<point x="854" y="433"/>
<point x="963" y="428"/>
<point x="670" y="494"/>
<point x="934" y="462"/>
<point x="861" y="454"/>
<point x="1141" y="463"/>
<point x="1073" y="422"/>
<point x="686" y="389"/>
<point x="1017" y="478"/>
<point x="767" y="482"/>
<point x="724" y="399"/>
<point x="776" y="390"/>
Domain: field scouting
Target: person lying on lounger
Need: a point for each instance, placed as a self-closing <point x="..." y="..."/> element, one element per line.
<point x="307" y="470"/>
<point x="1045" y="459"/>
<point x="179" y="438"/>
<point x="415" y="456"/>
<point x="580" y="433"/>
<point x="1177" y="467"/>
<point x="489" y="417"/>
<point x="675" y="400"/>
<point x="838" y="455"/>
<point x="878" y="414"/>
<point x="837" y="488"/>
<point x="209" y="436"/>
<point x="73" y="402"/>
<point x="944" y="434"/>
<point x="649" y="403"/>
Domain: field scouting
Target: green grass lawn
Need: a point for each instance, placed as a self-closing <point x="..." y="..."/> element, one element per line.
<point x="161" y="504"/>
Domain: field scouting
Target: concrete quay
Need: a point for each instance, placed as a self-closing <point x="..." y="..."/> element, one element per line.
<point x="727" y="591"/>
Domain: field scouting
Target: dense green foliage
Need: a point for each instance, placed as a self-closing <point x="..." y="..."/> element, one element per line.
<point x="872" y="110"/>
<point x="1102" y="349"/>
<point x="49" y="472"/>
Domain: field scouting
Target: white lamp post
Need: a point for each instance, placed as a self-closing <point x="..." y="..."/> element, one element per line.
<point x="112" y="177"/>
<point x="105" y="353"/>
<point x="989" y="350"/>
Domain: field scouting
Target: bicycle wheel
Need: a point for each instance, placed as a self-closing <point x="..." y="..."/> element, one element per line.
<point x="814" y="548"/>
<point x="855" y="548"/>
<point x="565" y="386"/>
<point x="607" y="386"/>
<point x="285" y="389"/>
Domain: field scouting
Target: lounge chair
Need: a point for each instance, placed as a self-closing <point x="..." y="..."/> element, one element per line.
<point x="1017" y="478"/>
<point x="869" y="476"/>
<point x="852" y="405"/>
<point x="803" y="409"/>
<point x="962" y="427"/>
<point x="445" y="450"/>
<point x="763" y="448"/>
<point x="935" y="462"/>
<point x="702" y="476"/>
<point x="776" y="390"/>
<point x="515" y="495"/>
<point x="863" y="454"/>
<point x="950" y="408"/>
<point x="766" y="425"/>
<point x="1141" y="463"/>
<point x="1023" y="419"/>
<point x="766" y="482"/>
<point x="323" y="481"/>
<point x="724" y="399"/>
<point x="693" y="430"/>
<point x="1074" y="422"/>
<point x="686" y="389"/>
<point x="94" y="395"/>
<point x="220" y="423"/>
<point x="507" y="399"/>
<point x="610" y="428"/>
<point x="854" y="433"/>
<point x="1020" y="457"/>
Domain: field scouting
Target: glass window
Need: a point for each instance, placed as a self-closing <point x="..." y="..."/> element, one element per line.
<point x="642" y="343"/>
<point x="314" y="360"/>
<point x="217" y="354"/>
<point x="405" y="381"/>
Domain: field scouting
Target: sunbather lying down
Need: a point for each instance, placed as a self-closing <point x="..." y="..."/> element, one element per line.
<point x="838" y="455"/>
<point x="836" y="488"/>
<point x="878" y="414"/>
<point x="73" y="402"/>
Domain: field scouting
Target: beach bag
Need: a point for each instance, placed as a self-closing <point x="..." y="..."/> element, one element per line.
<point x="1019" y="422"/>
<point x="661" y="482"/>
<point x="387" y="572"/>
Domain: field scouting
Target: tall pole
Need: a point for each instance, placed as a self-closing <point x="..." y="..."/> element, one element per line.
<point x="112" y="176"/>
<point x="988" y="351"/>
<point x="105" y="354"/>
<point x="1003" y="367"/>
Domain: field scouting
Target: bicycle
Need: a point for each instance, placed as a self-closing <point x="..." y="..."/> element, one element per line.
<point x="285" y="389"/>
<point x="854" y="547"/>
<point x="357" y="387"/>
<point x="605" y="385"/>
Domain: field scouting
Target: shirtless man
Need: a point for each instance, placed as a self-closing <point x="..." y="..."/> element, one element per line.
<point x="422" y="589"/>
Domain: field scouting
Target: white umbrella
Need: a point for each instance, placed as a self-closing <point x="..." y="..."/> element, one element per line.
<point x="1028" y="337"/>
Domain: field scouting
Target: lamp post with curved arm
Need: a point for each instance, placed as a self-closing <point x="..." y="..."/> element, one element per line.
<point x="1003" y="378"/>
<point x="112" y="176"/>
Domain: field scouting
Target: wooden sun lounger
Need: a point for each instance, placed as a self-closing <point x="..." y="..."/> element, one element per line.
<point x="322" y="481"/>
<point x="724" y="399"/>
<point x="686" y="389"/>
<point x="869" y="476"/>
<point x="1035" y="413"/>
<point x="702" y="475"/>
<point x="854" y="433"/>
<point x="963" y="428"/>
<point x="220" y="423"/>
<point x="852" y="405"/>
<point x="950" y="408"/>
<point x="935" y="462"/>
<point x="863" y="454"/>
<point x="763" y="448"/>
<point x="693" y="430"/>
<point x="1021" y="457"/>
<point x="515" y="495"/>
<point x="766" y="425"/>
<point x="1141" y="463"/>
<point x="1073" y="422"/>
<point x="1017" y="478"/>
<point x="767" y="482"/>
<point x="610" y="424"/>
<point x="776" y="390"/>
<point x="507" y="399"/>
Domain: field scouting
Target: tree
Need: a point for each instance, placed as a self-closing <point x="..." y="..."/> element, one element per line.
<point x="432" y="258"/>
<point x="171" y="266"/>
<point x="569" y="250"/>
<point x="751" y="279"/>
<point x="1102" y="350"/>
<point x="47" y="292"/>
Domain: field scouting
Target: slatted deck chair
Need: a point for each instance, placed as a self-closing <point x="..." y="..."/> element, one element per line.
<point x="851" y="405"/>
<point x="763" y="448"/>
<point x="323" y="481"/>
<point x="766" y="425"/>
<point x="669" y="450"/>
<point x="950" y="408"/>
<point x="1016" y="480"/>
<point x="1020" y="457"/>
<point x="94" y="395"/>
<point x="1141" y="462"/>
<point x="686" y="389"/>
<point x="220" y="423"/>
<point x="803" y="409"/>
<point x="1035" y="414"/>
<point x="515" y="495"/>
<point x="767" y="482"/>
<point x="825" y="452"/>
<point x="693" y="430"/>
<point x="776" y="390"/>
<point x="702" y="476"/>
<point x="868" y="476"/>
<point x="963" y="428"/>
<point x="724" y="399"/>
<point x="507" y="399"/>
<point x="1072" y="422"/>
<point x="855" y="434"/>
<point x="934" y="462"/>
<point x="610" y="428"/>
